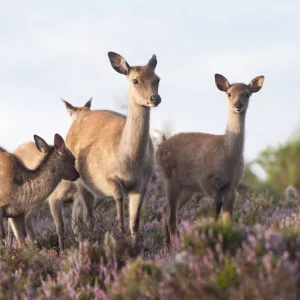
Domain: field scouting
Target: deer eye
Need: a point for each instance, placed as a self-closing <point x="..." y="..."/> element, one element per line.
<point x="158" y="80"/>
<point x="135" y="81"/>
<point x="229" y="95"/>
<point x="247" y="95"/>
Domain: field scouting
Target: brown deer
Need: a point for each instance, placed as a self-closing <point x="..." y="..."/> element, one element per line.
<point x="114" y="153"/>
<point x="66" y="191"/>
<point x="22" y="188"/>
<point x="210" y="164"/>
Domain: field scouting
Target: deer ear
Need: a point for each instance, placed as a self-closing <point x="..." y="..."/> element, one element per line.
<point x="119" y="63"/>
<point x="70" y="108"/>
<point x="40" y="144"/>
<point x="256" y="84"/>
<point x="59" y="143"/>
<point x="89" y="103"/>
<point x="152" y="62"/>
<point x="222" y="83"/>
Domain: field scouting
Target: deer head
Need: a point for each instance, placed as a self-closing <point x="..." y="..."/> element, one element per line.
<point x="73" y="111"/>
<point x="143" y="82"/>
<point x="66" y="160"/>
<point x="238" y="93"/>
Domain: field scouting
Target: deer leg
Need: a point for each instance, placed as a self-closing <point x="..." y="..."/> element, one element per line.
<point x="10" y="233"/>
<point x="172" y="193"/>
<point x="18" y="227"/>
<point x="135" y="205"/>
<point x="83" y="212"/>
<point x="28" y="223"/>
<point x="56" y="212"/>
<point x="228" y="203"/>
<point x="165" y="224"/>
<point x="118" y="195"/>
<point x="218" y="205"/>
<point x="97" y="202"/>
<point x="88" y="199"/>
<point x="2" y="232"/>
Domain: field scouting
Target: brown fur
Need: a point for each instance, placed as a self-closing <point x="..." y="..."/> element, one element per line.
<point x="210" y="164"/>
<point x="66" y="191"/>
<point x="22" y="188"/>
<point x="114" y="152"/>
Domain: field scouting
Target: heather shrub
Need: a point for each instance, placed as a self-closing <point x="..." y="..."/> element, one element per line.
<point x="140" y="279"/>
<point x="255" y="257"/>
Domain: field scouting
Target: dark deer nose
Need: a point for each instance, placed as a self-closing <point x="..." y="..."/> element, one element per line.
<point x="76" y="176"/>
<point x="238" y="105"/>
<point x="155" y="99"/>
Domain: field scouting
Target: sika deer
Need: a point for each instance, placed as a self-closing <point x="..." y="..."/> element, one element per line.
<point x="210" y="164"/>
<point x="115" y="153"/>
<point x="22" y="188"/>
<point x="66" y="191"/>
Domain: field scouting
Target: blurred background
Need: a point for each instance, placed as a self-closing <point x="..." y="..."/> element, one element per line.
<point x="59" y="50"/>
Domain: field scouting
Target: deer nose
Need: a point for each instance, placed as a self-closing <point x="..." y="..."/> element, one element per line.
<point x="76" y="176"/>
<point x="238" y="105"/>
<point x="155" y="99"/>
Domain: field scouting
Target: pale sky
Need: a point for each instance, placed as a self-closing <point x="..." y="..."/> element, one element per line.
<point x="59" y="50"/>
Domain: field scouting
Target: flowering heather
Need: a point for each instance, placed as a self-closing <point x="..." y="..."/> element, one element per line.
<point x="257" y="257"/>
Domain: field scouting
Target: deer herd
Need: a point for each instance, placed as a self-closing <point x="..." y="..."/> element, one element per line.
<point x="108" y="155"/>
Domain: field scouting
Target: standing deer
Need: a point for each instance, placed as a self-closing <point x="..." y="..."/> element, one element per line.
<point x="114" y="153"/>
<point x="210" y="164"/>
<point x="22" y="188"/>
<point x="66" y="191"/>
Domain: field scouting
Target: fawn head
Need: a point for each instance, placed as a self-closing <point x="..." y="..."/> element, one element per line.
<point x="238" y="93"/>
<point x="143" y="82"/>
<point x="74" y="111"/>
<point x="66" y="161"/>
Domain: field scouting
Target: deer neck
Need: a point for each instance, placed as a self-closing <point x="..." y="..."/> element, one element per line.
<point x="235" y="135"/>
<point x="41" y="182"/>
<point x="135" y="136"/>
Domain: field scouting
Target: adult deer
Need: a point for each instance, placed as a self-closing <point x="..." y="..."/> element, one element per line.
<point x="22" y="188"/>
<point x="210" y="164"/>
<point x="114" y="153"/>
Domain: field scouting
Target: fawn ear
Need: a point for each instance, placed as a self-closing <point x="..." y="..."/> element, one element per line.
<point x="59" y="143"/>
<point x="89" y="103"/>
<point x="222" y="83"/>
<point x="152" y="62"/>
<point x="256" y="84"/>
<point x="118" y="63"/>
<point x="40" y="144"/>
<point x="70" y="108"/>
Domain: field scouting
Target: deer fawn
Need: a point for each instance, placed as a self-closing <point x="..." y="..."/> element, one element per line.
<point x="210" y="164"/>
<point x="22" y="188"/>
<point x="114" y="153"/>
<point x="66" y="191"/>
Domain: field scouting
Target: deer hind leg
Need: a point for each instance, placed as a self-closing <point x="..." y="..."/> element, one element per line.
<point x="28" y="224"/>
<point x="228" y="203"/>
<point x="10" y="234"/>
<point x="56" y="212"/>
<point x="18" y="227"/>
<point x="2" y="232"/>
<point x="82" y="213"/>
<point x="170" y="213"/>
<point x="218" y="205"/>
<point x="63" y="192"/>
<point x="98" y="201"/>
<point x="165" y="223"/>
